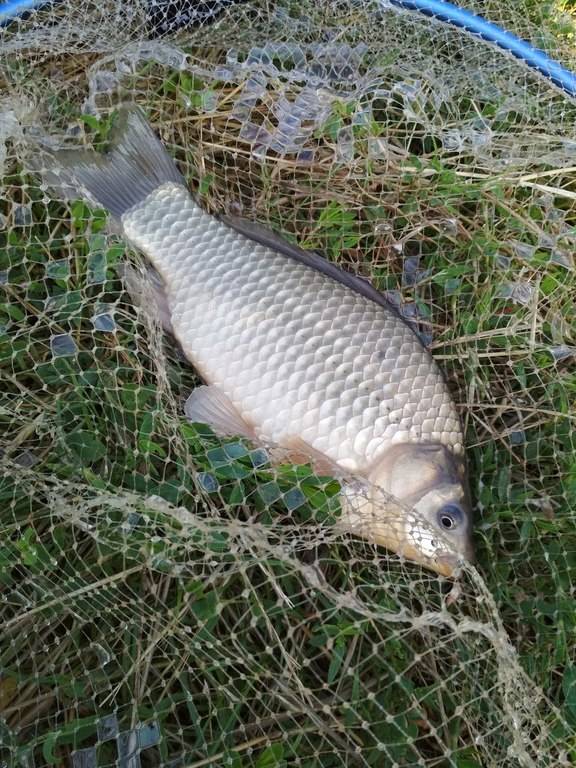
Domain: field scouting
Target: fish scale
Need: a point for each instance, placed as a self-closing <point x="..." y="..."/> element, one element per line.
<point x="297" y="353"/>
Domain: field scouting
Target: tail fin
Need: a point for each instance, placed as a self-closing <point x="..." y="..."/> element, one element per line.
<point x="120" y="179"/>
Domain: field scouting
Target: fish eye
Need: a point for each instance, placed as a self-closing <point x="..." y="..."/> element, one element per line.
<point x="450" y="516"/>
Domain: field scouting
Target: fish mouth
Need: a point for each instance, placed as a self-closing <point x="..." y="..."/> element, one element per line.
<point x="446" y="564"/>
<point x="442" y="563"/>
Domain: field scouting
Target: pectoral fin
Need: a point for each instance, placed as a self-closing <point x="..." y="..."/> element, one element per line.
<point x="146" y="289"/>
<point x="208" y="405"/>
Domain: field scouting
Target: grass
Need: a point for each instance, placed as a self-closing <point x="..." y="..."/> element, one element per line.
<point x="165" y="591"/>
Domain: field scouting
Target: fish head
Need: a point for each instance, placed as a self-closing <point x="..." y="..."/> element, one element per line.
<point x="417" y="504"/>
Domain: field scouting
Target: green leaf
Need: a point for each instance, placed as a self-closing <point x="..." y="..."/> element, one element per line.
<point x="32" y="552"/>
<point x="91" y="122"/>
<point x="338" y="654"/>
<point x="332" y="126"/>
<point x="271" y="757"/>
<point x="72" y="733"/>
<point x="149" y="446"/>
<point x="467" y="762"/>
<point x="206" y="608"/>
<point x="80" y="215"/>
<point x="13" y="311"/>
<point x="235" y="450"/>
<point x="269" y="492"/>
<point x="94" y="480"/>
<point x="96" y="261"/>
<point x="86" y="446"/>
<point x="205" y="184"/>
<point x="238" y="495"/>
<point x="569" y="690"/>
<point x="293" y="499"/>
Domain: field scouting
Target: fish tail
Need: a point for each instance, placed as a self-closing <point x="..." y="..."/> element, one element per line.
<point x="135" y="166"/>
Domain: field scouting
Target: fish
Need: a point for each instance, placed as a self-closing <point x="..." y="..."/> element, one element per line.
<point x="294" y="352"/>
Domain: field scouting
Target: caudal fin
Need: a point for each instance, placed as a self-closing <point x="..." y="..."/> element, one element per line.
<point x="135" y="166"/>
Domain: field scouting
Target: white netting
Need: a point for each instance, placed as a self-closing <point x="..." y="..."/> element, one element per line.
<point x="169" y="598"/>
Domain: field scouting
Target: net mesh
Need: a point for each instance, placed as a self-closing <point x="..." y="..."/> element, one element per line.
<point x="171" y="598"/>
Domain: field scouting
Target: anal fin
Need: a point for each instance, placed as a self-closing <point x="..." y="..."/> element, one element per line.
<point x="295" y="450"/>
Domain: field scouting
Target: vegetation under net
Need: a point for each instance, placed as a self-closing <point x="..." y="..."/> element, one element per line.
<point x="170" y="597"/>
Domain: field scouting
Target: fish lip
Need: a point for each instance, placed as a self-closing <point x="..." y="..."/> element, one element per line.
<point x="447" y="564"/>
<point x="443" y="563"/>
<point x="450" y="563"/>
